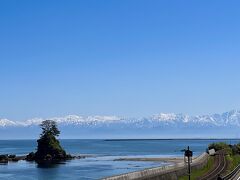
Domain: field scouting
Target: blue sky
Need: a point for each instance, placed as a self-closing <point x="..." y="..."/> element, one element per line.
<point x="128" y="58"/>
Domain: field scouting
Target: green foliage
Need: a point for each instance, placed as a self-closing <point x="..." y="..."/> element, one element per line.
<point x="49" y="127"/>
<point x="234" y="161"/>
<point x="220" y="146"/>
<point x="230" y="149"/>
<point x="49" y="148"/>
<point x="235" y="149"/>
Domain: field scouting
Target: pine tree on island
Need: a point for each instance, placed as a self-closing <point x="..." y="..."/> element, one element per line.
<point x="49" y="148"/>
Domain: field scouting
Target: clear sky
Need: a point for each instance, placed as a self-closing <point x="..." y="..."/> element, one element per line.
<point x="118" y="57"/>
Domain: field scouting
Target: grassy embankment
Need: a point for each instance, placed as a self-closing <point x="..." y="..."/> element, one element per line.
<point x="233" y="152"/>
<point x="199" y="172"/>
<point x="233" y="158"/>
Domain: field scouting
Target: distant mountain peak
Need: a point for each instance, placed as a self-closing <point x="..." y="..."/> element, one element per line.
<point x="224" y="119"/>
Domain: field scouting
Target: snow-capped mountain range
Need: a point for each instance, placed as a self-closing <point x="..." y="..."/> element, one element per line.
<point x="170" y="125"/>
<point x="231" y="118"/>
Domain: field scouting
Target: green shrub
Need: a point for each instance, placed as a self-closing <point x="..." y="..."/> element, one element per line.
<point x="49" y="148"/>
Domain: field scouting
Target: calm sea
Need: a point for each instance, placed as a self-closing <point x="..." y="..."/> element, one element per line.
<point x="101" y="163"/>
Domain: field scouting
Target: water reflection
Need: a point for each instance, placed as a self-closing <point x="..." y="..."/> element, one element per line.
<point x="49" y="165"/>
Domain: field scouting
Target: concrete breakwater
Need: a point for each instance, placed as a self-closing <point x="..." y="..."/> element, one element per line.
<point x="165" y="172"/>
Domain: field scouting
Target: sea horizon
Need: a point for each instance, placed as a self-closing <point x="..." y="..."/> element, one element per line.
<point x="130" y="139"/>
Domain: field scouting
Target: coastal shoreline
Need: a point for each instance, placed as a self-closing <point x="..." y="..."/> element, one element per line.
<point x="153" y="159"/>
<point x="162" y="172"/>
<point x="13" y="158"/>
<point x="166" y="159"/>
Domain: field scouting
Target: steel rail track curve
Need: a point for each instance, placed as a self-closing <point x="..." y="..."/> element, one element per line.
<point x="219" y="168"/>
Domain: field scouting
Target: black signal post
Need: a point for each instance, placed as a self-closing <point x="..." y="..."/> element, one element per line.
<point x="188" y="154"/>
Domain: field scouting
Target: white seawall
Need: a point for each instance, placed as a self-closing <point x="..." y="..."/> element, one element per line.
<point x="163" y="173"/>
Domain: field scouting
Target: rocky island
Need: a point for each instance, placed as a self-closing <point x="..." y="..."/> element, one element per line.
<point x="49" y="149"/>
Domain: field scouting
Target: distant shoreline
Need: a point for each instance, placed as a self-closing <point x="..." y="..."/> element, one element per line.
<point x="156" y="159"/>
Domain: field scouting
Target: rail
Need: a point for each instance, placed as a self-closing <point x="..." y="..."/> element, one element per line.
<point x="232" y="174"/>
<point x="219" y="168"/>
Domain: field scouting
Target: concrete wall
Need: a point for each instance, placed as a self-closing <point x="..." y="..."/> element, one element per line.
<point x="163" y="173"/>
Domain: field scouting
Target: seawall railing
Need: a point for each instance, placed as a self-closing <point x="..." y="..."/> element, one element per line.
<point x="164" y="172"/>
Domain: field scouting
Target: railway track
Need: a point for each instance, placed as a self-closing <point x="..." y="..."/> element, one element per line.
<point x="220" y="166"/>
<point x="234" y="175"/>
